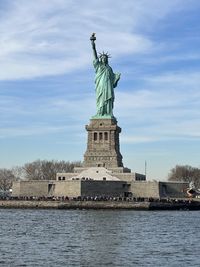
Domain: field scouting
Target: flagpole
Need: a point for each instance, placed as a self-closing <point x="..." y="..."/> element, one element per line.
<point x="145" y="169"/>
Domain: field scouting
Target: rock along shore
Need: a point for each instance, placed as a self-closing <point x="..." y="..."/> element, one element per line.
<point x="39" y="204"/>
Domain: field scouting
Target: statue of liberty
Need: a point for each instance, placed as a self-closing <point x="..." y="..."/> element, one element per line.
<point x="105" y="80"/>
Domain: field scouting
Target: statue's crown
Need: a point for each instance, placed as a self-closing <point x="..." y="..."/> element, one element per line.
<point x="104" y="55"/>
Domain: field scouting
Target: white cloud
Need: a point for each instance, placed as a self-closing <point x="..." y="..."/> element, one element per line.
<point x="167" y="110"/>
<point x="52" y="37"/>
<point x="137" y="139"/>
<point x="177" y="80"/>
<point x="34" y="129"/>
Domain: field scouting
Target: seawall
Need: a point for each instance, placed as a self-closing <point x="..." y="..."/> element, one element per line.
<point x="37" y="204"/>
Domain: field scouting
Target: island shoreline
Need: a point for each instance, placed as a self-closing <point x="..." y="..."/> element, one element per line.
<point x="95" y="205"/>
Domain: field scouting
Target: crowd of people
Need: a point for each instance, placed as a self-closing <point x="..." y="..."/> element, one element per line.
<point x="94" y="198"/>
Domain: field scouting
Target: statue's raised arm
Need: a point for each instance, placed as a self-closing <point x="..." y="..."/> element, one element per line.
<point x="93" y="39"/>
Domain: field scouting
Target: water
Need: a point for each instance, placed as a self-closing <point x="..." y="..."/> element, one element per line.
<point x="99" y="238"/>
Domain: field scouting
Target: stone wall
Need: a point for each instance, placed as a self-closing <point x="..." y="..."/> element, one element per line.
<point x="103" y="188"/>
<point x="159" y="189"/>
<point x="64" y="176"/>
<point x="125" y="176"/>
<point x="173" y="189"/>
<point x="16" y="188"/>
<point x="70" y="188"/>
<point x="120" y="172"/>
<point x="30" y="188"/>
<point x="74" y="188"/>
<point x="46" y="188"/>
<point x="132" y="176"/>
<point x="145" y="189"/>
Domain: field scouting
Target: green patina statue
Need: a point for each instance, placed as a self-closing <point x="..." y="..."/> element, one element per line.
<point x="105" y="80"/>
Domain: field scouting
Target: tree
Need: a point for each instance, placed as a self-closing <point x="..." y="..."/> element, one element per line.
<point x="18" y="172"/>
<point x="6" y="179"/>
<point x="36" y="170"/>
<point x="46" y="170"/>
<point x="185" y="173"/>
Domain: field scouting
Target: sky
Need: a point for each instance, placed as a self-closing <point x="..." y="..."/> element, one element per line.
<point x="47" y="90"/>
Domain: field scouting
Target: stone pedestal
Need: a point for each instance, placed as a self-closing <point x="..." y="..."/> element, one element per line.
<point x="103" y="149"/>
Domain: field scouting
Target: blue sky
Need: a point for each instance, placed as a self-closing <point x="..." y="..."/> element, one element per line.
<point x="47" y="79"/>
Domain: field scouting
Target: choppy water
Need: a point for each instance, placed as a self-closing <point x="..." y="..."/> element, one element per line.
<point x="99" y="238"/>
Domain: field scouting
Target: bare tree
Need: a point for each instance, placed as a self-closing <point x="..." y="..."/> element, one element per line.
<point x="6" y="179"/>
<point x="18" y="172"/>
<point x="185" y="173"/>
<point x="46" y="170"/>
<point x="36" y="170"/>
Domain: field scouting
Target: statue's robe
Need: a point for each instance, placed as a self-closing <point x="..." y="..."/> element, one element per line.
<point x="105" y="81"/>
